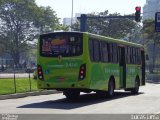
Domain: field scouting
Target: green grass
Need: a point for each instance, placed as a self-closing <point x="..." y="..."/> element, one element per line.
<point x="22" y="85"/>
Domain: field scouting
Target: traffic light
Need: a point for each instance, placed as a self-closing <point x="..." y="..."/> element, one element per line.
<point x="138" y="14"/>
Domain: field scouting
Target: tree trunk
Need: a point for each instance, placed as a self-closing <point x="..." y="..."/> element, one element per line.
<point x="16" y="58"/>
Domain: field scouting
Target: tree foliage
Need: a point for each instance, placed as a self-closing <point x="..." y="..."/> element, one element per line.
<point x="152" y="41"/>
<point x="116" y="28"/>
<point x="149" y="32"/>
<point x="46" y="19"/>
<point x="20" y="22"/>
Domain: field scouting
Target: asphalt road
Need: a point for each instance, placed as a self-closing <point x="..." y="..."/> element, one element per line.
<point x="148" y="101"/>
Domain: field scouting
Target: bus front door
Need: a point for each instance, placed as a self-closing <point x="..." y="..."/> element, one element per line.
<point x="122" y="64"/>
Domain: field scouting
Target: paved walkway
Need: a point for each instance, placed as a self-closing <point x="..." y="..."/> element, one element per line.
<point x="17" y="75"/>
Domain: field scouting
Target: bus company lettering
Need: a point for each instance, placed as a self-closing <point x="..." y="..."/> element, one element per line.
<point x="71" y="65"/>
<point x="66" y="65"/>
<point x="113" y="71"/>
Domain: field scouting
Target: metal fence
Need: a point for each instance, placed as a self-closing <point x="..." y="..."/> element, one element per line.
<point x="17" y="79"/>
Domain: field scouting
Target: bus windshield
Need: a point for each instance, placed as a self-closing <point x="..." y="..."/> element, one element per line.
<point x="60" y="44"/>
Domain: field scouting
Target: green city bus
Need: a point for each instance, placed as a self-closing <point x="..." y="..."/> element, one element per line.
<point x="75" y="62"/>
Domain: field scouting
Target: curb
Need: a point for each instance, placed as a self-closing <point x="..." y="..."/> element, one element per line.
<point x="21" y="95"/>
<point x="153" y="81"/>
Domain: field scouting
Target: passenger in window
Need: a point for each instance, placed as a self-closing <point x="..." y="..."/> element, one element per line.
<point x="78" y="49"/>
<point x="73" y="50"/>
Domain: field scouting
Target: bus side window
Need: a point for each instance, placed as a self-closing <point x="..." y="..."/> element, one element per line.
<point x="115" y="53"/>
<point x="126" y="54"/>
<point x="139" y="56"/>
<point x="110" y="55"/>
<point x="134" y="55"/>
<point x="129" y="55"/>
<point x="136" y="50"/>
<point x="91" y="52"/>
<point x="108" y="49"/>
<point x="96" y="50"/>
<point x="101" y="51"/>
<point x="104" y="49"/>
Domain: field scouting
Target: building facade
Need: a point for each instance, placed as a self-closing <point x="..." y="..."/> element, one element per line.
<point x="150" y="8"/>
<point x="67" y="21"/>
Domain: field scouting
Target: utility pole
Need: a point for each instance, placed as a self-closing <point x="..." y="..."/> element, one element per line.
<point x="72" y="16"/>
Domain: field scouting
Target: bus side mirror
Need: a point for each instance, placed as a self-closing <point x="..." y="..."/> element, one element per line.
<point x="147" y="58"/>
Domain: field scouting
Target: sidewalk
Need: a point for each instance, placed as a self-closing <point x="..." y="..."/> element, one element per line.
<point x="20" y="95"/>
<point x="153" y="81"/>
<point x="17" y="75"/>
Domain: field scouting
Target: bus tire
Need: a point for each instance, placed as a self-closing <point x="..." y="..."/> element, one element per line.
<point x="111" y="87"/>
<point x="71" y="94"/>
<point x="135" y="90"/>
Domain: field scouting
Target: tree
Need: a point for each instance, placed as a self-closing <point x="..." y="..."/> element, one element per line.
<point x="152" y="38"/>
<point x="116" y="28"/>
<point x="21" y="21"/>
<point x="149" y="32"/>
<point x="46" y="19"/>
<point x="1" y="49"/>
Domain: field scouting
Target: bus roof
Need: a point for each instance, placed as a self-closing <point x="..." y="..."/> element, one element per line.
<point x="119" y="41"/>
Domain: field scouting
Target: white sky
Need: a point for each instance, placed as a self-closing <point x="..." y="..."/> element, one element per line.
<point x="63" y="7"/>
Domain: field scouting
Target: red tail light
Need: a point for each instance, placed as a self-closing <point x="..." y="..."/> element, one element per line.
<point x="40" y="72"/>
<point x="82" y="72"/>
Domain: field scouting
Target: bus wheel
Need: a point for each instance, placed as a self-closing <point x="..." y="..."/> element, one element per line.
<point x="111" y="87"/>
<point x="135" y="90"/>
<point x="71" y="94"/>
